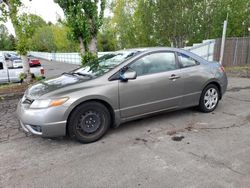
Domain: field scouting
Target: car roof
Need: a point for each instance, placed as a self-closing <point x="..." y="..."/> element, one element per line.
<point x="155" y="49"/>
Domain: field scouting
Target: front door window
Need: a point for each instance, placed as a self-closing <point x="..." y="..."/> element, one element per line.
<point x="155" y="63"/>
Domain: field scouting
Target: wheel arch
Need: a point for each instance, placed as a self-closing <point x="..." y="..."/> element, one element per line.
<point x="216" y="83"/>
<point x="105" y="103"/>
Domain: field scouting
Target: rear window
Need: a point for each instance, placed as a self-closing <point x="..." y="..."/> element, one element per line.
<point x="186" y="61"/>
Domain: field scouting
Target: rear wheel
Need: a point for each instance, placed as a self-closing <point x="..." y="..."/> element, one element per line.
<point x="209" y="99"/>
<point x="89" y="122"/>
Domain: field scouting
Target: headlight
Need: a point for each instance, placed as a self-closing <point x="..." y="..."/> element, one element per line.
<point x="37" y="104"/>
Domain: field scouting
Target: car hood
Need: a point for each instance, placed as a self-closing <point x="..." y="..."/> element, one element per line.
<point x="53" y="84"/>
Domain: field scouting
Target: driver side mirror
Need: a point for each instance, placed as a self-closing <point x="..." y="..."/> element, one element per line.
<point x="128" y="75"/>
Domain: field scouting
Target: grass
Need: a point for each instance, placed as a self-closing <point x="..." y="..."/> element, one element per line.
<point x="12" y="88"/>
<point x="238" y="68"/>
<point x="11" y="85"/>
<point x="239" y="71"/>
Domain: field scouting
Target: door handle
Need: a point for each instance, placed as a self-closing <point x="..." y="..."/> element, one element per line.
<point x="174" y="77"/>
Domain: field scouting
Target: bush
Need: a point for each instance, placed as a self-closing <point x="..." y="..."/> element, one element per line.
<point x="39" y="78"/>
<point x="22" y="77"/>
<point x="89" y="59"/>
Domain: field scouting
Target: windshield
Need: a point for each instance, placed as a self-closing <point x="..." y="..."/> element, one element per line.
<point x="105" y="64"/>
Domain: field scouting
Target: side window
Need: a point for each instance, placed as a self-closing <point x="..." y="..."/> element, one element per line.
<point x="155" y="63"/>
<point x="186" y="61"/>
<point x="1" y="65"/>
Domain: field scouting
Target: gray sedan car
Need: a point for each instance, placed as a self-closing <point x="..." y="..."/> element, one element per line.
<point x="122" y="86"/>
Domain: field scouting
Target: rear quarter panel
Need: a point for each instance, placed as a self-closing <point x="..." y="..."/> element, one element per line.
<point x="194" y="79"/>
<point x="219" y="76"/>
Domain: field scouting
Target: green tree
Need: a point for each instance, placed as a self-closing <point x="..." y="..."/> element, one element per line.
<point x="28" y="24"/>
<point x="145" y="26"/>
<point x="64" y="42"/>
<point x="7" y="41"/>
<point x="84" y="20"/>
<point x="43" y="40"/>
<point x="123" y="23"/>
<point x="9" y="9"/>
<point x="106" y="37"/>
<point x="53" y="38"/>
<point x="177" y="23"/>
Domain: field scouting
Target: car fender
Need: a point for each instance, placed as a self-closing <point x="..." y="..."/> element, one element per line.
<point x="115" y="112"/>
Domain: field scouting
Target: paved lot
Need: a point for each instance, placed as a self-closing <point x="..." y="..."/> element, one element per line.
<point x="214" y="153"/>
<point x="56" y="68"/>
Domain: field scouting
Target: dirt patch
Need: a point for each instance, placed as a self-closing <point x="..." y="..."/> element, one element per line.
<point x="243" y="72"/>
<point x="248" y="118"/>
<point x="175" y="131"/>
<point x="12" y="88"/>
<point x="237" y="89"/>
<point x="141" y="139"/>
<point x="177" y="138"/>
<point x="9" y="127"/>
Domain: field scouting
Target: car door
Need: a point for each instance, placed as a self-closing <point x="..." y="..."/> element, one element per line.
<point x="193" y="78"/>
<point x="3" y="74"/>
<point x="156" y="88"/>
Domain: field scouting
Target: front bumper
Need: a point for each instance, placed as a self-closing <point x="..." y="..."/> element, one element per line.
<point x="30" y="129"/>
<point x="48" y="122"/>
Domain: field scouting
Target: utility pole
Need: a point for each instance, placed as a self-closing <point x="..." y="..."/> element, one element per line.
<point x="223" y="40"/>
<point x="248" y="39"/>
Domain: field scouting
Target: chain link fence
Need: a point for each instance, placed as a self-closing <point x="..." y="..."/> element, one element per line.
<point x="72" y="58"/>
<point x="204" y="49"/>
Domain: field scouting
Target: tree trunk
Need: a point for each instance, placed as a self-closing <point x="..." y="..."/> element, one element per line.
<point x="92" y="46"/>
<point x="13" y="11"/>
<point x="82" y="47"/>
<point x="26" y="69"/>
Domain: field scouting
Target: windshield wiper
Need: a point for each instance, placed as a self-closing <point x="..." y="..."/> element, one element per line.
<point x="78" y="74"/>
<point x="68" y="73"/>
<point x="81" y="74"/>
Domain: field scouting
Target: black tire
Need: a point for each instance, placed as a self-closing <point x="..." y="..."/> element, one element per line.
<point x="202" y="104"/>
<point x="89" y="122"/>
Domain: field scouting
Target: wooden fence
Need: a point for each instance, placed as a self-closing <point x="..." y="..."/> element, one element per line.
<point x="237" y="51"/>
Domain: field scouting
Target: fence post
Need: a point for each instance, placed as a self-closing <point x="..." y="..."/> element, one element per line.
<point x="235" y="52"/>
<point x="223" y="40"/>
<point x="248" y="41"/>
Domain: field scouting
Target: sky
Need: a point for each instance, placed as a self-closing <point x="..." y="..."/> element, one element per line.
<point x="47" y="9"/>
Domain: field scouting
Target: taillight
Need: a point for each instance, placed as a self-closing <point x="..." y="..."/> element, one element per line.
<point x="222" y="68"/>
<point x="42" y="71"/>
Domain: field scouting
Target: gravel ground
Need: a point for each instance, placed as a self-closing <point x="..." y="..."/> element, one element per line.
<point x="214" y="152"/>
<point x="9" y="128"/>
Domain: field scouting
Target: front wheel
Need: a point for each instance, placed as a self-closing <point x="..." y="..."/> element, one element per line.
<point x="209" y="99"/>
<point x="89" y="122"/>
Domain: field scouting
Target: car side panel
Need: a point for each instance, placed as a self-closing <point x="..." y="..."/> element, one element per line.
<point x="149" y="93"/>
<point x="193" y="80"/>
